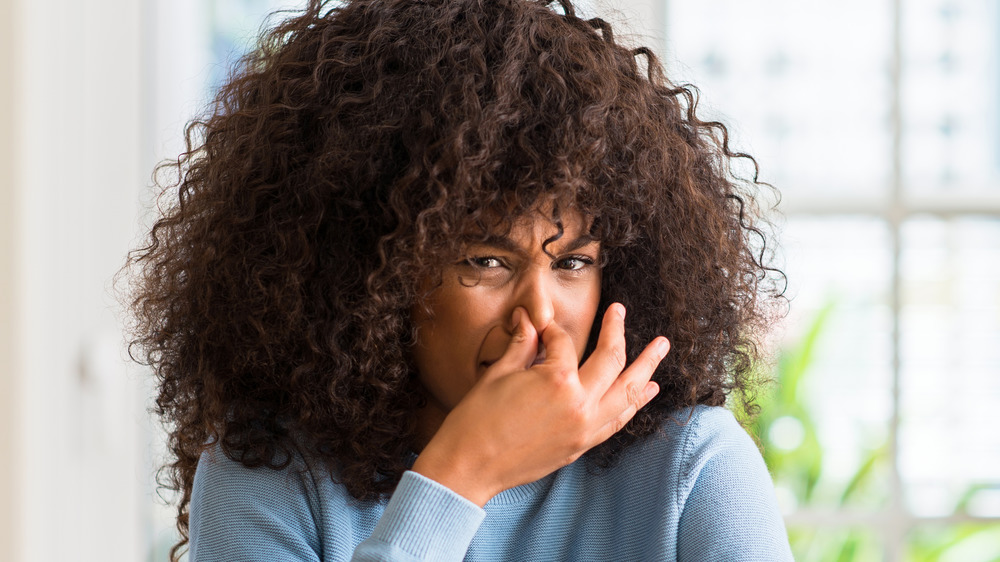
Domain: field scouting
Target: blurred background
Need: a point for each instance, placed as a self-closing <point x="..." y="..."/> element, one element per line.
<point x="878" y="121"/>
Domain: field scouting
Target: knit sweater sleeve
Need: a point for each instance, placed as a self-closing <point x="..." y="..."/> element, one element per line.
<point x="262" y="514"/>
<point x="423" y="521"/>
<point x="730" y="512"/>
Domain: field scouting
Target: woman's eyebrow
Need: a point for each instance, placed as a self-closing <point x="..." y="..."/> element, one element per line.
<point x="506" y="244"/>
<point x="498" y="242"/>
<point x="578" y="242"/>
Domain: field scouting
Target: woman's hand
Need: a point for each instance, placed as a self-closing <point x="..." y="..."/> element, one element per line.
<point x="521" y="422"/>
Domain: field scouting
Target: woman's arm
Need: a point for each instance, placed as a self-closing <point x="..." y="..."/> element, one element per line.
<point x="423" y="521"/>
<point x="262" y="514"/>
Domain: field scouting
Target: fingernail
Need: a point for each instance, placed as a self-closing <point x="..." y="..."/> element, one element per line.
<point x="652" y="389"/>
<point x="620" y="309"/>
<point x="662" y="347"/>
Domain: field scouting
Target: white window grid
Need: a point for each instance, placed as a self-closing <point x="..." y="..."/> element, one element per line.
<point x="906" y="197"/>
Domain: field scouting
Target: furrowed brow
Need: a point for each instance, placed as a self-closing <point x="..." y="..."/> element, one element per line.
<point x="579" y="242"/>
<point x="506" y="244"/>
<point x="498" y="242"/>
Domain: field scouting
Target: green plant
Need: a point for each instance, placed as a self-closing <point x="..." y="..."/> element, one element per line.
<point x="794" y="454"/>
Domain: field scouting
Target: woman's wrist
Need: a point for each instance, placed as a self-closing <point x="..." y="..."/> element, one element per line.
<point x="455" y="474"/>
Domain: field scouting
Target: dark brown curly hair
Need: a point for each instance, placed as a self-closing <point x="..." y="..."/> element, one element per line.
<point x="350" y="156"/>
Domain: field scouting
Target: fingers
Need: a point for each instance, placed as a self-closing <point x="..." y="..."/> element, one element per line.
<point x="609" y="358"/>
<point x="560" y="352"/>
<point x="522" y="348"/>
<point x="635" y="401"/>
<point x="633" y="389"/>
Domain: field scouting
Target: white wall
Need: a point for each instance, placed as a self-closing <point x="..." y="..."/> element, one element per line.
<point x="9" y="350"/>
<point x="72" y="421"/>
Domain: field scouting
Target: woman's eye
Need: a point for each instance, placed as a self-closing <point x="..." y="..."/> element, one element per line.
<point x="574" y="263"/>
<point x="484" y="262"/>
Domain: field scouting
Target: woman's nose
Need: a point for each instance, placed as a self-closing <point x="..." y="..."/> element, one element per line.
<point x="536" y="294"/>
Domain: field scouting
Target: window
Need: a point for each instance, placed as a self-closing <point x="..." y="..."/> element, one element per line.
<point x="879" y="121"/>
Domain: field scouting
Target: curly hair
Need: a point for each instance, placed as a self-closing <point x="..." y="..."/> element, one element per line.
<point x="349" y="157"/>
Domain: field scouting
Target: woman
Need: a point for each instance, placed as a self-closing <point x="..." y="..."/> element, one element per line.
<point x="411" y="298"/>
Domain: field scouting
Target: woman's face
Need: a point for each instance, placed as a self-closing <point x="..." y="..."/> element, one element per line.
<point x="469" y="325"/>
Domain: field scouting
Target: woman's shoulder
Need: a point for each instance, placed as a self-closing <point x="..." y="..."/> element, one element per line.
<point x="688" y="441"/>
<point x="221" y="477"/>
<point x="698" y="431"/>
<point x="221" y="473"/>
<point x="702" y="417"/>
<point x="231" y="501"/>
<point x="704" y="448"/>
<point x="722" y="489"/>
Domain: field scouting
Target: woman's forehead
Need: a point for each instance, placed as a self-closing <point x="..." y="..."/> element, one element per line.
<point x="540" y="222"/>
<point x="532" y="231"/>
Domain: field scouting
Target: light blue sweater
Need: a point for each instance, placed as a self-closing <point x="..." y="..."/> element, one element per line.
<point x="697" y="490"/>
